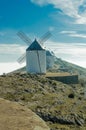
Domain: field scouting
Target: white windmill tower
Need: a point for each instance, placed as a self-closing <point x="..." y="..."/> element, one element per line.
<point x="50" y="59"/>
<point x="35" y="58"/>
<point x="35" y="54"/>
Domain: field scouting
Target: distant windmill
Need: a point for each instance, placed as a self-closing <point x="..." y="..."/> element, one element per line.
<point x="35" y="55"/>
<point x="50" y="59"/>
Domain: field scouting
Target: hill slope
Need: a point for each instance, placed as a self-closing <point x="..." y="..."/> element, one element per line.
<point x="69" y="67"/>
<point x="61" y="106"/>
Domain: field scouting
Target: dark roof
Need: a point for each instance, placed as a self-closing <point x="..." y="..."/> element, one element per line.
<point x="48" y="53"/>
<point x="34" y="46"/>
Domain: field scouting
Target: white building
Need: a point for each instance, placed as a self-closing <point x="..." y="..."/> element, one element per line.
<point x="35" y="58"/>
<point x="50" y="59"/>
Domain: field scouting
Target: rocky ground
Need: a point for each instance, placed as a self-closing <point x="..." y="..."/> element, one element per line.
<point x="62" y="106"/>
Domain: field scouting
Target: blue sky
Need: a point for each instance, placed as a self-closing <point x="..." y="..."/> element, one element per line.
<point x="66" y="19"/>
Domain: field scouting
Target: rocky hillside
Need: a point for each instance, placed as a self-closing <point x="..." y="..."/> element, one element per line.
<point x="62" y="106"/>
<point x="17" y="117"/>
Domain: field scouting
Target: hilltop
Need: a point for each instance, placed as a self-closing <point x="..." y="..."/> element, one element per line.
<point x="63" y="66"/>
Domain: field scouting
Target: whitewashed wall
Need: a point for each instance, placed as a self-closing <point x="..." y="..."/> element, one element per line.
<point x="36" y="61"/>
<point x="50" y="61"/>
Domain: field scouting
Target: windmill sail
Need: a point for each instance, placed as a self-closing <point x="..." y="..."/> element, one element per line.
<point x="27" y="40"/>
<point x="45" y="37"/>
<point x="22" y="58"/>
<point x="23" y="36"/>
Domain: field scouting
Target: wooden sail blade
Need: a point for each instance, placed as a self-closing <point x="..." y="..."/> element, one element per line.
<point x="22" y="58"/>
<point x="45" y="37"/>
<point x="24" y="37"/>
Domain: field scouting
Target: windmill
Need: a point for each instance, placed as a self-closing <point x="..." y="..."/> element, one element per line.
<point x="50" y="59"/>
<point x="35" y="55"/>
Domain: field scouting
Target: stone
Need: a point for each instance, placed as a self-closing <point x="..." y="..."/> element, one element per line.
<point x="14" y="116"/>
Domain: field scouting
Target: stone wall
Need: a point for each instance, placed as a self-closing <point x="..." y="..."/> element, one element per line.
<point x="71" y="79"/>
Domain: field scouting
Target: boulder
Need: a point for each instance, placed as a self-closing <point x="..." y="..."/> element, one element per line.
<point x="14" y="116"/>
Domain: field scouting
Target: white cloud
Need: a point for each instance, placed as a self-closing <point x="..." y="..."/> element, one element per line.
<point x="73" y="34"/>
<point x="39" y="2"/>
<point x="68" y="32"/>
<point x="9" y="67"/>
<point x="11" y="52"/>
<point x="78" y="35"/>
<point x="12" y="49"/>
<point x="69" y="7"/>
<point x="81" y="20"/>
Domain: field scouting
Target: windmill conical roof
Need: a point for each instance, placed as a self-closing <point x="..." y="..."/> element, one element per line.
<point x="34" y="46"/>
<point x="48" y="53"/>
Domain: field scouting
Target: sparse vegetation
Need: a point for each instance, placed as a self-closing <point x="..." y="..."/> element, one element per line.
<point x="47" y="98"/>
